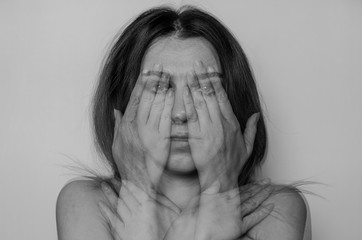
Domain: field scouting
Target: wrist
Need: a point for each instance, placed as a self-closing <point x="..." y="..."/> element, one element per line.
<point x="182" y="228"/>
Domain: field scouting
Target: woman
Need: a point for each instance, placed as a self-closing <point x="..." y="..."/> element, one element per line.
<point x="174" y="97"/>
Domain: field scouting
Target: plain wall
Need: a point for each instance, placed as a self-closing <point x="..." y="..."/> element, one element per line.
<point x="307" y="60"/>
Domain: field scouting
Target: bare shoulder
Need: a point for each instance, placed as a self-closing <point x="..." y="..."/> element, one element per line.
<point x="288" y="218"/>
<point x="77" y="212"/>
<point x="288" y="202"/>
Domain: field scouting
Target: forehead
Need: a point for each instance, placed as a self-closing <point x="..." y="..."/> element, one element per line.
<point x="177" y="56"/>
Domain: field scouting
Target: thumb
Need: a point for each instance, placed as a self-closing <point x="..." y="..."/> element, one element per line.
<point x="117" y="117"/>
<point x="250" y="132"/>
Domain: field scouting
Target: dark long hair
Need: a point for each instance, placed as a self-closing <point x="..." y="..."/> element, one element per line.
<point x="122" y="67"/>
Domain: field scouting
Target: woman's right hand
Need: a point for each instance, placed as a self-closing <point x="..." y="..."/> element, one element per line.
<point x="142" y="136"/>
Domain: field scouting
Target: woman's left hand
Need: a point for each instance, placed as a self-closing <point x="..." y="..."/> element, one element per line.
<point x="227" y="215"/>
<point x="217" y="145"/>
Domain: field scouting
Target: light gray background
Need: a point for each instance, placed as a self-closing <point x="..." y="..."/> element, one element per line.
<point x="307" y="59"/>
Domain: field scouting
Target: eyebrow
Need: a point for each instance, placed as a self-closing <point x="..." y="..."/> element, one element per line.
<point x="200" y="76"/>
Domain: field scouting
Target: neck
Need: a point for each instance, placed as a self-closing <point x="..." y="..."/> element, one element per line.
<point x="180" y="189"/>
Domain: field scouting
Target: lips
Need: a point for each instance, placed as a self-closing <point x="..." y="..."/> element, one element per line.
<point x="182" y="137"/>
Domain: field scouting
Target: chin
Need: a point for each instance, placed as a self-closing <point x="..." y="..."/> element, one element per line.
<point x="180" y="164"/>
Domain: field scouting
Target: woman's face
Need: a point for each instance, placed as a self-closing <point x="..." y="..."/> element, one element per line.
<point x="177" y="56"/>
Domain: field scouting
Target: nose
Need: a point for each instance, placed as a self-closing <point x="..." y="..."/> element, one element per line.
<point x="178" y="114"/>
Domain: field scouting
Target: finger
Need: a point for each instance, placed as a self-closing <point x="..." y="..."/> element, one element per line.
<point x="191" y="114"/>
<point x="134" y="100"/>
<point x="221" y="96"/>
<point x="151" y="79"/>
<point x="238" y="196"/>
<point x="165" y="120"/>
<point x="207" y="91"/>
<point x="249" y="190"/>
<point x="139" y="194"/>
<point x="257" y="216"/>
<point x="199" y="101"/>
<point x="113" y="219"/>
<point x="159" y="101"/>
<point x="117" y="124"/>
<point x="110" y="195"/>
<point x="163" y="200"/>
<point x="128" y="197"/>
<point x="117" y="118"/>
<point x="122" y="208"/>
<point x="250" y="132"/>
<point x="255" y="201"/>
<point x="133" y="195"/>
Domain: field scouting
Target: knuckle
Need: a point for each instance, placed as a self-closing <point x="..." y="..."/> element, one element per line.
<point x="162" y="90"/>
<point x="158" y="104"/>
<point x="214" y="75"/>
<point x="222" y="97"/>
<point x="254" y="204"/>
<point x="207" y="91"/>
<point x="202" y="76"/>
<point x="162" y="87"/>
<point x="135" y="101"/>
<point x="167" y="117"/>
<point x="216" y="83"/>
<point x="194" y="85"/>
<point x="251" y="204"/>
<point x="248" y="193"/>
<point x="188" y="101"/>
<point x="148" y="97"/>
<point x="191" y="117"/>
<point x="169" y="105"/>
<point x="209" y="94"/>
<point x="199" y="104"/>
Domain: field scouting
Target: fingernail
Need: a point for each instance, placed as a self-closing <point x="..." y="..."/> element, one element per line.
<point x="105" y="186"/>
<point x="210" y="69"/>
<point x="145" y="71"/>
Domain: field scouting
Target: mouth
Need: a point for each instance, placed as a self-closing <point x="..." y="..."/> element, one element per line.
<point x="180" y="137"/>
